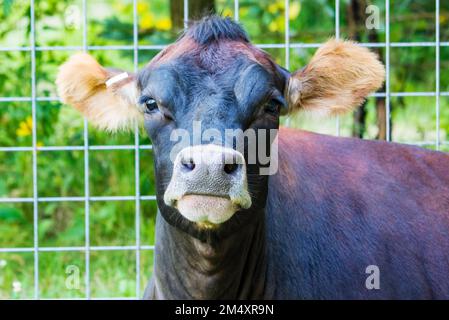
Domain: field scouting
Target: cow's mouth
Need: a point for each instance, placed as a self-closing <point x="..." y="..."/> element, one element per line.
<point x="205" y="187"/>
<point x="207" y="211"/>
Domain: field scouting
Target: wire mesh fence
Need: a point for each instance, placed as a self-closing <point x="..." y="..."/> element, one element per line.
<point x="134" y="46"/>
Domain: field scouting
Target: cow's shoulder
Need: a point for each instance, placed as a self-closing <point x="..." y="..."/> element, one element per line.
<point x="339" y="204"/>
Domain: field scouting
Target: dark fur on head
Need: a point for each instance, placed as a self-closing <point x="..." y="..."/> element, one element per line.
<point x="214" y="28"/>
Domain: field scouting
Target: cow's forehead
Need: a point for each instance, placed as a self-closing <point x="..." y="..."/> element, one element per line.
<point x="223" y="61"/>
<point x="210" y="38"/>
<point x="214" y="51"/>
<point x="212" y="56"/>
<point x="187" y="68"/>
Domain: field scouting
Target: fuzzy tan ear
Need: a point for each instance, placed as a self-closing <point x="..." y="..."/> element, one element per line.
<point x="339" y="77"/>
<point x="108" y="98"/>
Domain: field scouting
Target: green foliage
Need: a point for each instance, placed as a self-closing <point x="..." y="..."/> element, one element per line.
<point x="11" y="215"/>
<point x="112" y="173"/>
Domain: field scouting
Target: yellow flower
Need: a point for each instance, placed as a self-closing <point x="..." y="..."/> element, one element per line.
<point x="142" y="7"/>
<point x="163" y="24"/>
<point x="228" y="12"/>
<point x="273" y="26"/>
<point x="147" y="20"/>
<point x="273" y="8"/>
<point x="277" y="24"/>
<point x="295" y="8"/>
<point x="25" y="127"/>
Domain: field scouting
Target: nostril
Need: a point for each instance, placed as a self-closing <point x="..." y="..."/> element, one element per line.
<point x="230" y="168"/>
<point x="189" y="165"/>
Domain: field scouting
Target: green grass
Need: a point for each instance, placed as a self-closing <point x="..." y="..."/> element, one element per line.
<point x="61" y="224"/>
<point x="62" y="274"/>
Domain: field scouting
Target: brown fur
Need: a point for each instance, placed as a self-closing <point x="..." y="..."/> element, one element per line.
<point x="207" y="55"/>
<point x="338" y="204"/>
<point x="338" y="78"/>
<point x="173" y="51"/>
<point x="81" y="82"/>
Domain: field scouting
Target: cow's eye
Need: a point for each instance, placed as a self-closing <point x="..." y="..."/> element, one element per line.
<point x="150" y="105"/>
<point x="273" y="107"/>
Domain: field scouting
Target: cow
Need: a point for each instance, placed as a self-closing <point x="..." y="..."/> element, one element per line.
<point x="325" y="218"/>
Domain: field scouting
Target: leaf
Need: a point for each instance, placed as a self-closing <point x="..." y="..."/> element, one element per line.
<point x="7" y="4"/>
<point x="45" y="226"/>
<point x="11" y="215"/>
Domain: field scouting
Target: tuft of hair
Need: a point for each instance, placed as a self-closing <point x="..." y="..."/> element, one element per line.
<point x="213" y="28"/>
<point x="81" y="83"/>
<point x="337" y="80"/>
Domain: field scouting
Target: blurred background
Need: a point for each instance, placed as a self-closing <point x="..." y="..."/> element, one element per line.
<point x="112" y="173"/>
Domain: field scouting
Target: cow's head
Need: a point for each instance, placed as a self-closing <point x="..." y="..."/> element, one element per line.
<point x="204" y="95"/>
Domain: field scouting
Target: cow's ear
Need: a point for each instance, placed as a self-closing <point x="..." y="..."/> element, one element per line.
<point x="108" y="98"/>
<point x="339" y="77"/>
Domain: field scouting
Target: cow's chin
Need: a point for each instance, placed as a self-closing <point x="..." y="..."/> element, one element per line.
<point x="206" y="211"/>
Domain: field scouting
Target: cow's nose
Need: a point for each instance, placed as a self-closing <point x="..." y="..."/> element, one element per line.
<point x="219" y="162"/>
<point x="208" y="183"/>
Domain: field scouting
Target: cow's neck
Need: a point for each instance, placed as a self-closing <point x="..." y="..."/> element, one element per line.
<point x="187" y="268"/>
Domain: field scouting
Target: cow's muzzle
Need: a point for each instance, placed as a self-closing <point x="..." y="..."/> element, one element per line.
<point x="209" y="184"/>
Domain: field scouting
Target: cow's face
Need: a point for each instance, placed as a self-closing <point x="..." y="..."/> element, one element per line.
<point x="205" y="101"/>
<point x="211" y="103"/>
